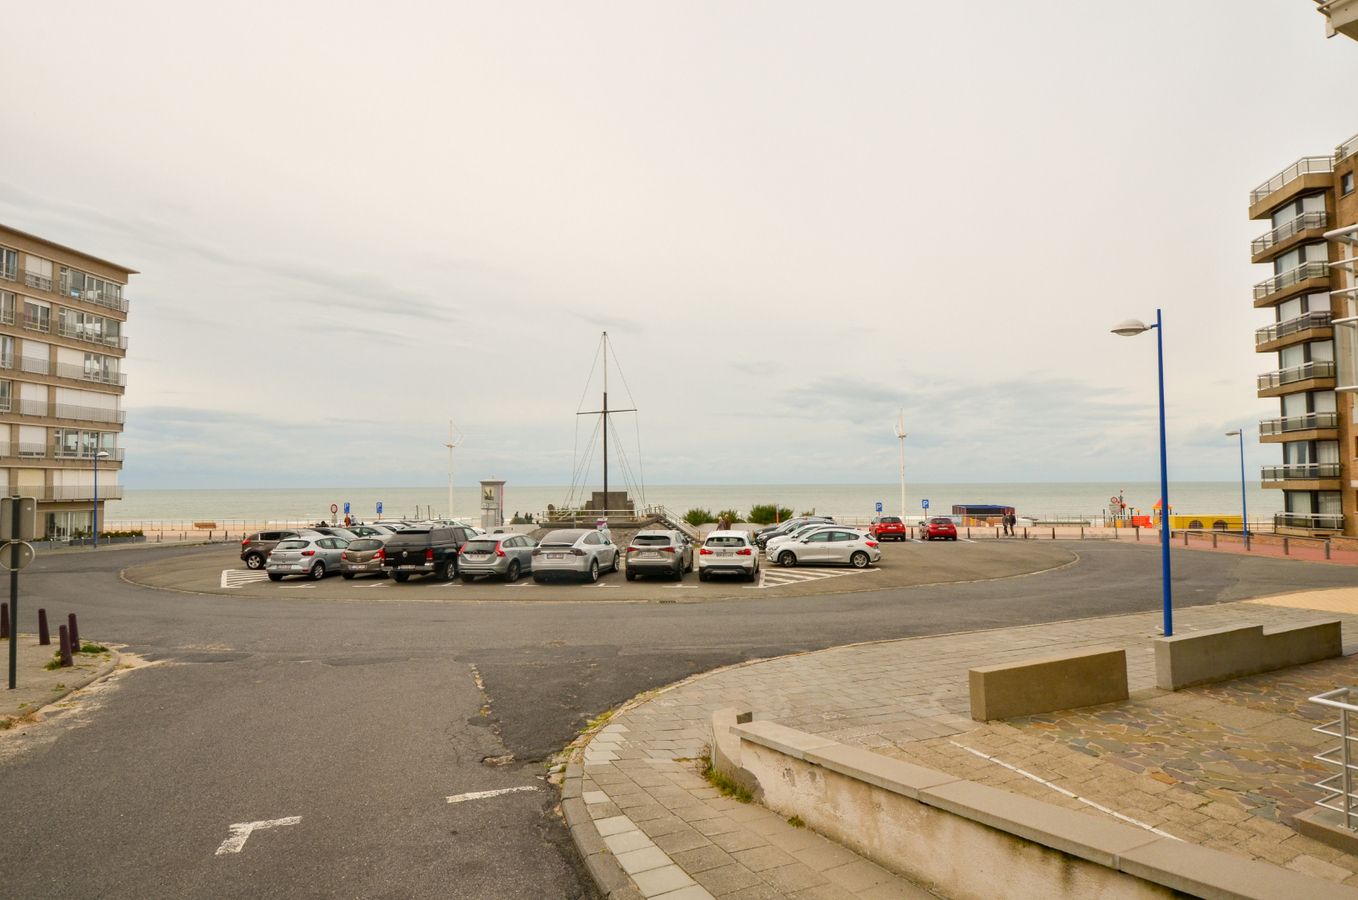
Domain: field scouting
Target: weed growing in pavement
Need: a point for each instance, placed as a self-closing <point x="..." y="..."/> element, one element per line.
<point x="796" y="822"/>
<point x="59" y="687"/>
<point x="93" y="648"/>
<point x="54" y="664"/>
<point x="7" y="722"/>
<point x="728" y="787"/>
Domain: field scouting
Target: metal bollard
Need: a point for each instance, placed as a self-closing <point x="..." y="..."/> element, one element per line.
<point x="1185" y="538"/>
<point x="1053" y="534"/>
<point x="65" y="651"/>
<point x="1247" y="543"/>
<point x="1327" y="548"/>
<point x="4" y="621"/>
<point x="1138" y="532"/>
<point x="1025" y="534"/>
<point x="44" y="636"/>
<point x="1286" y="551"/>
<point x="1214" y="540"/>
<point x="75" y="633"/>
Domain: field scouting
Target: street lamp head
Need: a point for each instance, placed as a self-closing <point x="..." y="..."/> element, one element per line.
<point x="1232" y="434"/>
<point x="101" y="455"/>
<point x="1131" y="327"/>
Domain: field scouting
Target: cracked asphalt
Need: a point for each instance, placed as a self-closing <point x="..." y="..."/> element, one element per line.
<point x="363" y="717"/>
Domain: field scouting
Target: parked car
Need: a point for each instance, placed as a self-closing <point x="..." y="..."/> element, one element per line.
<point x="793" y="535"/>
<point x="335" y="531"/>
<point x="507" y="555"/>
<point x="887" y="528"/>
<point x="254" y="550"/>
<point x="762" y="536"/>
<point x="728" y="553"/>
<point x="425" y="550"/>
<point x="659" y="553"/>
<point x="574" y="552"/>
<point x="313" y="556"/>
<point x="828" y="545"/>
<point x="364" y="531"/>
<point x="941" y="527"/>
<point x="364" y="557"/>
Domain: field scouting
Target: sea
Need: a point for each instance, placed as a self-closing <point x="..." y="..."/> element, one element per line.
<point x="1029" y="499"/>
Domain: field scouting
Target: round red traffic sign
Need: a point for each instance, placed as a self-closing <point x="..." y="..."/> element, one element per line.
<point x="333" y="509"/>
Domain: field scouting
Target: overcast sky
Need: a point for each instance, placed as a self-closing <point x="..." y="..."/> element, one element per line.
<point x="357" y="221"/>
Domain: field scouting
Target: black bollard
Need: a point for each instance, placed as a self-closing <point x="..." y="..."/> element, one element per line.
<point x="75" y="633"/>
<point x="44" y="636"/>
<point x="4" y="621"/>
<point x="65" y="638"/>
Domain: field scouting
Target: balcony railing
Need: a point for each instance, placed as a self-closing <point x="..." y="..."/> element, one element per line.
<point x="78" y="333"/>
<point x="6" y="360"/>
<point x="88" y="413"/>
<point x="35" y="364"/>
<point x="9" y="273"/>
<point x="1284" y="280"/>
<point x="1300" y="472"/>
<point x="1319" y="369"/>
<point x="1293" y="326"/>
<point x="7" y="316"/>
<point x="32" y="451"/>
<point x="1308" y="422"/>
<point x="36" y="323"/>
<point x="1307" y="165"/>
<point x="66" y="370"/>
<point x="1303" y="222"/>
<point x="32" y="407"/>
<point x="60" y="452"/>
<point x="1313" y="521"/>
<point x="106" y="299"/>
<point x="1346" y="149"/>
<point x="34" y="280"/>
<point x="71" y="492"/>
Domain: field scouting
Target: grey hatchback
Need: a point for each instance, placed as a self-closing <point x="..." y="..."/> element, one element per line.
<point x="507" y="555"/>
<point x="310" y="556"/>
<point x="364" y="557"/>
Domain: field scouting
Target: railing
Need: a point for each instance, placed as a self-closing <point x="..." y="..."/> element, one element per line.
<point x="35" y="364"/>
<point x="1346" y="149"/>
<point x="1313" y="521"/>
<point x="73" y="492"/>
<point x="34" y="323"/>
<point x="9" y="273"/>
<point x="67" y="370"/>
<point x="34" y="280"/>
<point x="1303" y="222"/>
<point x="1285" y="280"/>
<point x="6" y="360"/>
<point x="88" y="413"/>
<point x="34" y="451"/>
<point x="1307" y="422"/>
<point x="7" y="316"/>
<point x="1323" y="368"/>
<point x="105" y="299"/>
<point x="77" y="332"/>
<point x="1307" y="165"/>
<point x="60" y="452"/>
<point x="1338" y="787"/>
<point x="33" y="407"/>
<point x="1293" y="326"/>
<point x="1300" y="471"/>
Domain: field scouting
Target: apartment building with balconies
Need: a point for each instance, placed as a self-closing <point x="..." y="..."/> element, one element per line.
<point x="1306" y="295"/>
<point x="62" y="344"/>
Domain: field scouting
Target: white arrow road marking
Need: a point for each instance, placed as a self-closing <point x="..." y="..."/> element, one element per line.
<point x="481" y="795"/>
<point x="241" y="832"/>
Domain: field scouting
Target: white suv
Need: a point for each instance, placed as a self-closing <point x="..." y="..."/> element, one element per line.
<point x="730" y="552"/>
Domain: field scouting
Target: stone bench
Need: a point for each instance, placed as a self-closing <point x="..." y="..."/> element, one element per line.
<point x="1220" y="654"/>
<point x="1033" y="686"/>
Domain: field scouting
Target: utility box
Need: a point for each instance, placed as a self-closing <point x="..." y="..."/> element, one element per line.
<point x="492" y="503"/>
<point x="28" y="519"/>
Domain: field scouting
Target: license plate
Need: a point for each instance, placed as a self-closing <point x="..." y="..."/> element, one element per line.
<point x="725" y="553"/>
<point x="556" y="556"/>
<point x="477" y="556"/>
<point x="649" y="554"/>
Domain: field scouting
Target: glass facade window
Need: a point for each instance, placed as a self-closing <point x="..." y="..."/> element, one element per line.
<point x="1303" y="254"/>
<point x="9" y="264"/>
<point x="37" y="315"/>
<point x="62" y="526"/>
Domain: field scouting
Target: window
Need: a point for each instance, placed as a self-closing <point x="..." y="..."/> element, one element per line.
<point x="6" y="352"/>
<point x="1306" y="253"/>
<point x="6" y="395"/>
<point x="37" y="272"/>
<point x="1300" y="354"/>
<point x="6" y="308"/>
<point x="9" y="264"/>
<point x="1311" y="203"/>
<point x="37" y="315"/>
<point x="1346" y="183"/>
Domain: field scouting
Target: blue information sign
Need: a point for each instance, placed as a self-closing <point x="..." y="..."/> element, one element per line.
<point x="379" y="507"/>
<point x="346" y="507"/>
<point x="879" y="507"/>
<point x="926" y="504"/>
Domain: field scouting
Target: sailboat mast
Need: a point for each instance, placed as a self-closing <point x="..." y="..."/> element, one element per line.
<point x="605" y="425"/>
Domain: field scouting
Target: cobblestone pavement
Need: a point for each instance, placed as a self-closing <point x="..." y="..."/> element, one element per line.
<point x="1218" y="766"/>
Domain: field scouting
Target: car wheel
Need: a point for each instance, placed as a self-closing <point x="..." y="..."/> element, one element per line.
<point x="859" y="560"/>
<point x="617" y="564"/>
<point x="593" y="575"/>
<point x="254" y="561"/>
<point x="512" y="573"/>
<point x="317" y="571"/>
<point x="787" y="559"/>
<point x="348" y="576"/>
<point x="538" y="579"/>
<point x="679" y="571"/>
<point x="703" y="575"/>
<point x="630" y="575"/>
<point x="468" y="579"/>
<point x="402" y="577"/>
<point x="443" y="572"/>
<point x="752" y="575"/>
<point x="274" y="576"/>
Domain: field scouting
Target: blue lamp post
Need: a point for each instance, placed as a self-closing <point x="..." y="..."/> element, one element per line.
<point x="97" y="456"/>
<point x="1244" y="510"/>
<point x="1129" y="328"/>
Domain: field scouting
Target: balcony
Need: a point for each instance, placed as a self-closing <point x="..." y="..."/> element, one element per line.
<point x="1307" y="165"/>
<point x="34" y="280"/>
<point x="37" y="323"/>
<point x="1346" y="149"/>
<point x="88" y="413"/>
<point x="1300" y="472"/>
<point x="80" y="373"/>
<point x="106" y="299"/>
<point x="1308" y="422"/>
<point x="9" y="273"/>
<point x="1302" y="223"/>
<point x="1308" y="322"/>
<point x="79" y="333"/>
<point x="71" y="492"/>
<point x="1309" y="521"/>
<point x="86" y="453"/>
<point x="1319" y="369"/>
<point x="1291" y="278"/>
<point x="7" y="316"/>
<point x="36" y="364"/>
<point x="32" y="451"/>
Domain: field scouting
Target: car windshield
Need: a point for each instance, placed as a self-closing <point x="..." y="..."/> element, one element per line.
<point x="891" y="520"/>
<point x="365" y="545"/>
<point x="940" y="521"/>
<point x="480" y="546"/>
<point x="562" y="538"/>
<point x="292" y="545"/>
<point x="652" y="540"/>
<point x="725" y="540"/>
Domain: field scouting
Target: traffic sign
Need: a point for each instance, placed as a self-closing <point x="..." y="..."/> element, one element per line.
<point x="333" y="509"/>
<point x="7" y="555"/>
<point x="926" y="503"/>
<point x="879" y="507"/>
<point x="379" y="507"/>
<point x="346" y="507"/>
<point x="28" y="519"/>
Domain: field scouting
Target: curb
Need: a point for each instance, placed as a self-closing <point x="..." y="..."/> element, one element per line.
<point x="102" y="672"/>
<point x="603" y="867"/>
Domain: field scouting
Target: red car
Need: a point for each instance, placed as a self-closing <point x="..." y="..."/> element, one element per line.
<point x="887" y="528"/>
<point x="941" y="528"/>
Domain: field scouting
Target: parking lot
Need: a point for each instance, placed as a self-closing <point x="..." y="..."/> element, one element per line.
<point x="903" y="565"/>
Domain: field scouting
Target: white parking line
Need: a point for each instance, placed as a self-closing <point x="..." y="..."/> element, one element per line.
<point x="375" y="584"/>
<point x="234" y="578"/>
<point x="784" y="577"/>
<point x="297" y="587"/>
<point x="240" y="833"/>
<point x="482" y="795"/>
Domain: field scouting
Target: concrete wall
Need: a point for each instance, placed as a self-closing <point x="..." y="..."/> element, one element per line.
<point x="1220" y="654"/>
<point x="1064" y="681"/>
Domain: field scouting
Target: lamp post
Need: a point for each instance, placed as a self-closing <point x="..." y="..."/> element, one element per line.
<point x="900" y="433"/>
<point x="98" y="456"/>
<point x="1244" y="510"/>
<point x="1130" y="328"/>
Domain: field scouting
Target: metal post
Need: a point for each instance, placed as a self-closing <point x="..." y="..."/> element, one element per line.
<point x="14" y="589"/>
<point x="1244" y="510"/>
<point x="1327" y="548"/>
<point x="96" y="502"/>
<point x="1348" y="773"/>
<point x="1214" y="540"/>
<point x="1286" y="550"/>
<point x="1164" y="483"/>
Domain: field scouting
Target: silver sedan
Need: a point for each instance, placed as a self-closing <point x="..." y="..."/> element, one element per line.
<point x="309" y="556"/>
<point x="580" y="553"/>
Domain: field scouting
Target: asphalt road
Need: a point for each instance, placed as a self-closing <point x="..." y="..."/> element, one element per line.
<point x="363" y="717"/>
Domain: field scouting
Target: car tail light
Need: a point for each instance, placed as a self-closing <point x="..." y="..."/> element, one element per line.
<point x="666" y="549"/>
<point x="429" y="555"/>
<point x="871" y="543"/>
<point x="498" y="551"/>
<point x="537" y="552"/>
<point x="704" y="552"/>
<point x="245" y="543"/>
<point x="381" y="554"/>
<point x="746" y="552"/>
<point x="576" y="551"/>
<point x="308" y="552"/>
<point x="344" y="555"/>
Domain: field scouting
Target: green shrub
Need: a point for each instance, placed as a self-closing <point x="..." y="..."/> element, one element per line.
<point x="809" y="512"/>
<point x="768" y="513"/>
<point x="696" y="517"/>
<point x="730" y="515"/>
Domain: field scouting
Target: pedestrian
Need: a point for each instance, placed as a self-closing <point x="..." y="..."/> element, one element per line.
<point x="1013" y="520"/>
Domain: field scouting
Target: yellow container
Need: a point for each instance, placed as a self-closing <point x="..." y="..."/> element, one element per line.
<point x="1206" y="523"/>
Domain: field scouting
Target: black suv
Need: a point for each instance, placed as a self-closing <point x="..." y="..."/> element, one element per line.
<point x="425" y="550"/>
